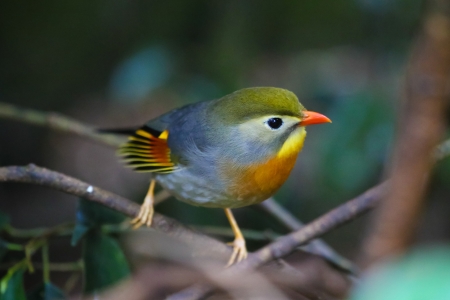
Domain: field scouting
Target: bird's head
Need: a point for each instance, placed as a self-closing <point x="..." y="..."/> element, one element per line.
<point x="263" y="120"/>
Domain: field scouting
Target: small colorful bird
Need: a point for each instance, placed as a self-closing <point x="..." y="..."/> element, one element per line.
<point x="225" y="153"/>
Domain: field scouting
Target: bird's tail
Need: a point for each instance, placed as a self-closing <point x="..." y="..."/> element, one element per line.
<point x="121" y="131"/>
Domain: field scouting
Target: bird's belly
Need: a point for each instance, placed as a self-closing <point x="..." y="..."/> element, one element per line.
<point x="195" y="190"/>
<point x="256" y="182"/>
<point x="232" y="185"/>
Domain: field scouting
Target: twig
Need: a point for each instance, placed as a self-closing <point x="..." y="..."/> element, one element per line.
<point x="54" y="267"/>
<point x="41" y="176"/>
<point x="317" y="246"/>
<point x="321" y="225"/>
<point x="46" y="263"/>
<point x="58" y="122"/>
<point x="421" y="126"/>
<point x="31" y="233"/>
<point x="283" y="216"/>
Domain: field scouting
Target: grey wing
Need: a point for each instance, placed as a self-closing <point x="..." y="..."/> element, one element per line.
<point x="148" y="150"/>
<point x="172" y="117"/>
<point x="186" y="127"/>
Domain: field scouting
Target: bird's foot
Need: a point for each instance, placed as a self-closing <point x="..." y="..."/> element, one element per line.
<point x="145" y="216"/>
<point x="239" y="251"/>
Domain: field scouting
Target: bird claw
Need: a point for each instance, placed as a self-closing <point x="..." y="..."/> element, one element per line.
<point x="239" y="251"/>
<point x="145" y="217"/>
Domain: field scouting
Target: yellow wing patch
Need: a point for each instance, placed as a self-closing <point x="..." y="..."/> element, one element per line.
<point x="147" y="151"/>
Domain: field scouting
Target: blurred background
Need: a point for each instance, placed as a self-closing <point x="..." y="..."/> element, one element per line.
<point x="120" y="63"/>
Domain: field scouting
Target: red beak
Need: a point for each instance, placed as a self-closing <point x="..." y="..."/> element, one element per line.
<point x="311" y="118"/>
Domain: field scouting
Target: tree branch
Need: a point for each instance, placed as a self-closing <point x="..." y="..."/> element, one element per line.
<point x="316" y="246"/>
<point x="57" y="122"/>
<point x="206" y="246"/>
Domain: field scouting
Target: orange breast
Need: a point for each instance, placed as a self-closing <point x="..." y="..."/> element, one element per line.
<point x="257" y="182"/>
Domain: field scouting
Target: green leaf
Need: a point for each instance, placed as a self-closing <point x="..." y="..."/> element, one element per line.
<point x="12" y="287"/>
<point x="422" y="274"/>
<point x="91" y="215"/>
<point x="4" y="220"/>
<point x="104" y="262"/>
<point x="79" y="232"/>
<point x="96" y="214"/>
<point x="47" y="291"/>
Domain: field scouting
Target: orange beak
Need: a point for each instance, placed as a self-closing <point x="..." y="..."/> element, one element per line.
<point x="311" y="118"/>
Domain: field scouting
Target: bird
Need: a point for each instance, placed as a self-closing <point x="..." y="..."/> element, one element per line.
<point x="225" y="153"/>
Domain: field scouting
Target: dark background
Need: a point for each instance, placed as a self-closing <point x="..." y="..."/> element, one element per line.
<point x="120" y="63"/>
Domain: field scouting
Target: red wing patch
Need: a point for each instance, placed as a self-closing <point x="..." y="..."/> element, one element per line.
<point x="147" y="151"/>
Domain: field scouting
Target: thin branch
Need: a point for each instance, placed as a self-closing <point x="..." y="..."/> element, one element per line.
<point x="41" y="176"/>
<point x="57" y="122"/>
<point x="34" y="232"/>
<point x="317" y="246"/>
<point x="45" y="263"/>
<point x="54" y="267"/>
<point x="327" y="222"/>
<point x="283" y="216"/>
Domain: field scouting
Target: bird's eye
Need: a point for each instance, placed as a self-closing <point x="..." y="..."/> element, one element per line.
<point x="274" y="123"/>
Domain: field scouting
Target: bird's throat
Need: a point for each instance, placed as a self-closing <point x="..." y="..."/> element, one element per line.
<point x="259" y="181"/>
<point x="293" y="144"/>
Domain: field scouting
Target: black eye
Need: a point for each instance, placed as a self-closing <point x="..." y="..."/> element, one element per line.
<point x="274" y="123"/>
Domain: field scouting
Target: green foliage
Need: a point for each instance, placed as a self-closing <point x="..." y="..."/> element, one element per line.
<point x="4" y="220"/>
<point x="12" y="286"/>
<point x="353" y="153"/>
<point x="92" y="215"/>
<point x="104" y="261"/>
<point x="46" y="291"/>
<point x="105" y="264"/>
<point x="422" y="274"/>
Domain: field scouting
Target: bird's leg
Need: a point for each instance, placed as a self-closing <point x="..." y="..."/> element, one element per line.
<point x="239" y="248"/>
<point x="145" y="215"/>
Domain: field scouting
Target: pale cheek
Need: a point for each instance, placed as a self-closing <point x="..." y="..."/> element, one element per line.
<point x="255" y="133"/>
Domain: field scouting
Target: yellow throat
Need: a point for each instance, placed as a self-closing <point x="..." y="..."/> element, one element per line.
<point x="260" y="181"/>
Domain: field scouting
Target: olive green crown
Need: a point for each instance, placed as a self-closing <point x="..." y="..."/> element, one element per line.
<point x="249" y="103"/>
